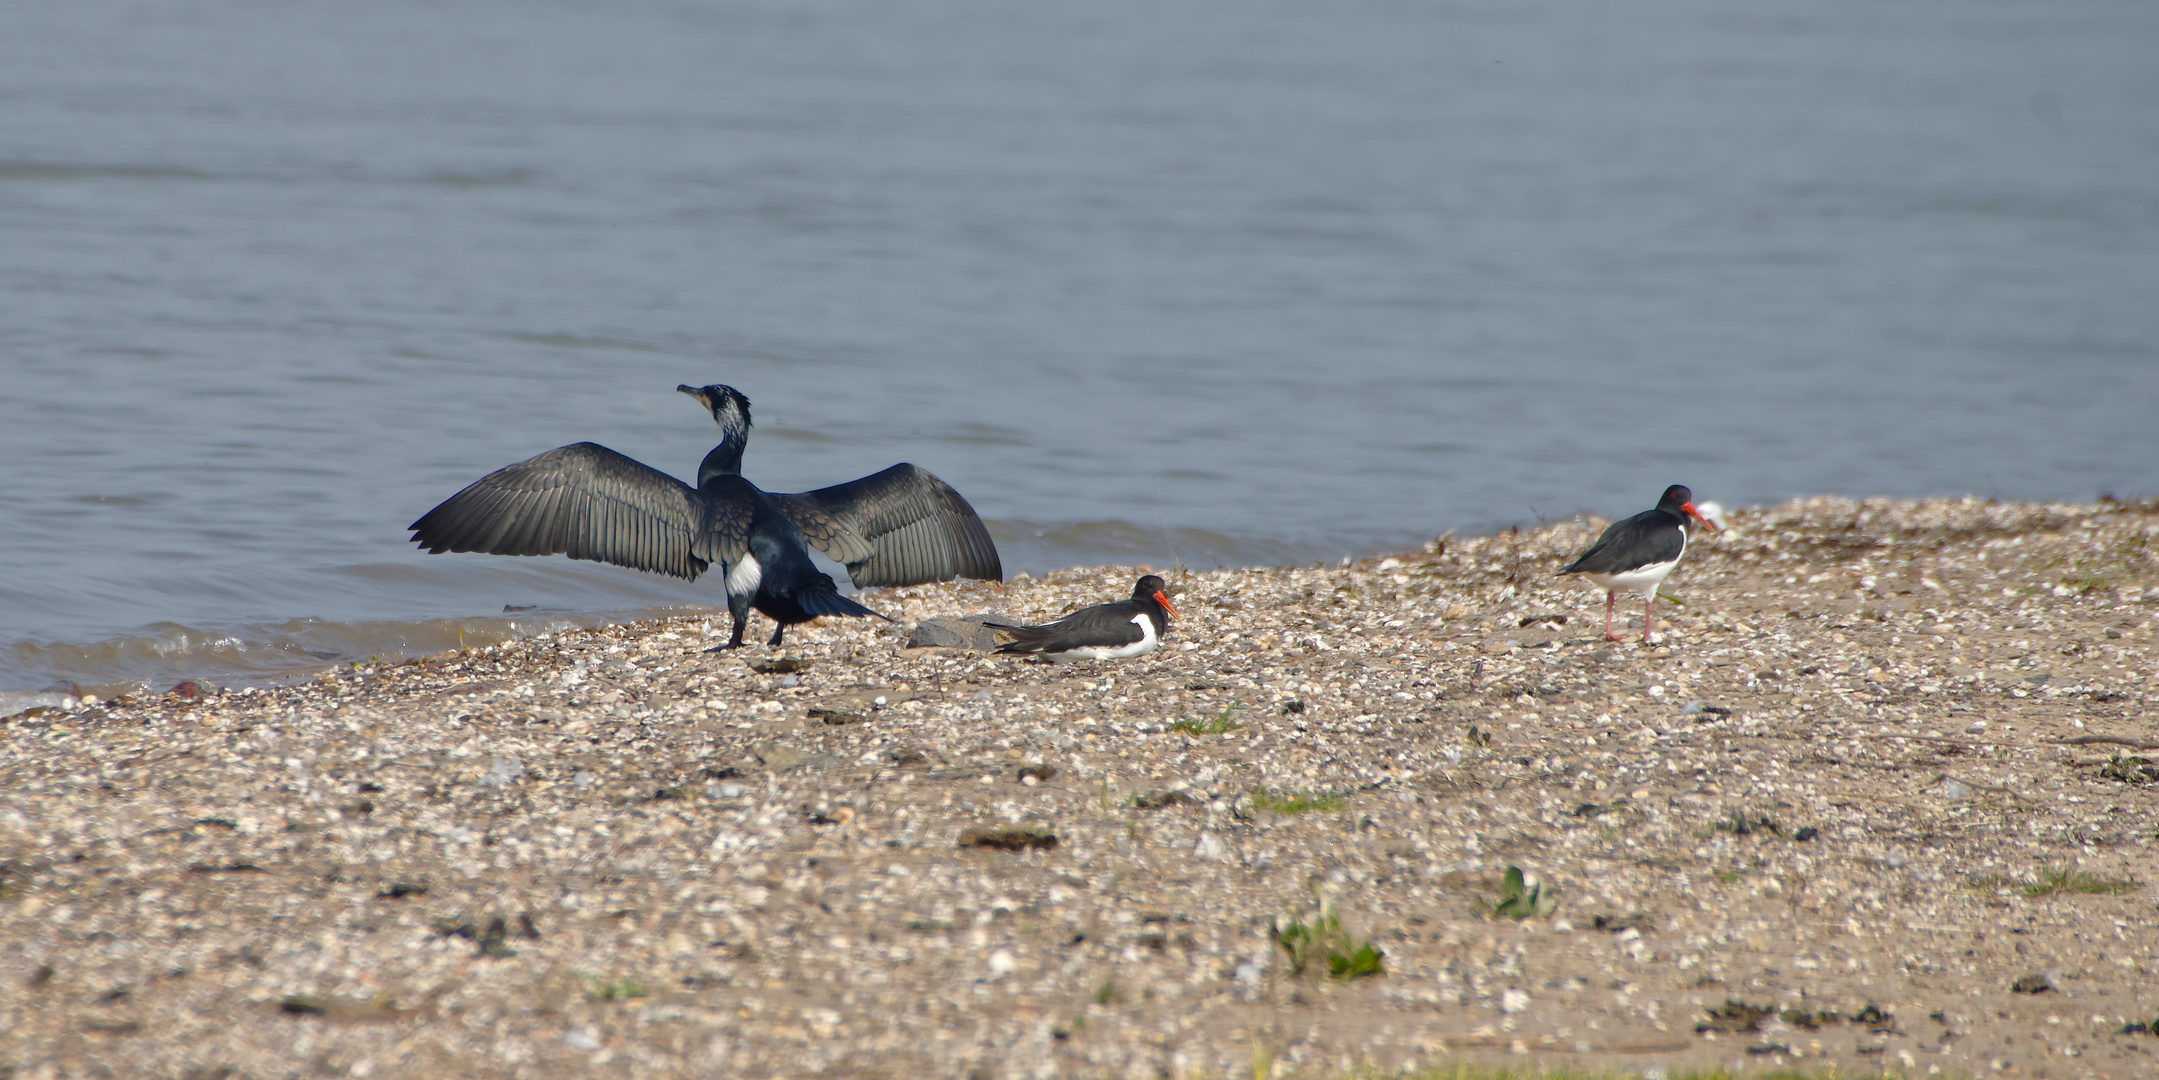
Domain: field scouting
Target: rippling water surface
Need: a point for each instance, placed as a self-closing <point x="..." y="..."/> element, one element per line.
<point x="1211" y="281"/>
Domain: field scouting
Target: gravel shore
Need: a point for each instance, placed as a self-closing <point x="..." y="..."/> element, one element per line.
<point x="1878" y="797"/>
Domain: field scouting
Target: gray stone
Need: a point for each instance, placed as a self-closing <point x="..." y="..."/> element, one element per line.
<point x="954" y="632"/>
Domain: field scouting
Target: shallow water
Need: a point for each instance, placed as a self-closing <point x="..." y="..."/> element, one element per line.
<point x="1217" y="283"/>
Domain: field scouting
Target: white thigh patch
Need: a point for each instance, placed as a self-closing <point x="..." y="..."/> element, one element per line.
<point x="744" y="575"/>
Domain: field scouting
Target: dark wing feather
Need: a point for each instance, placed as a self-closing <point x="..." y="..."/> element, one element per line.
<point x="1646" y="538"/>
<point x="1099" y="626"/>
<point x="582" y="500"/>
<point x="727" y="508"/>
<point x="1025" y="639"/>
<point x="902" y="526"/>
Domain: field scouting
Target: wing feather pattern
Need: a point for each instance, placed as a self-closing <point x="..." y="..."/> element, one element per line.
<point x="581" y="500"/>
<point x="723" y="532"/>
<point x="902" y="526"/>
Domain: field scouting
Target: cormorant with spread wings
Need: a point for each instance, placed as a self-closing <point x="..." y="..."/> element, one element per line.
<point x="902" y="526"/>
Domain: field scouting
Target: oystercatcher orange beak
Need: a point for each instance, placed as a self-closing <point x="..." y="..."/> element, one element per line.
<point x="1163" y="599"/>
<point x="1690" y="511"/>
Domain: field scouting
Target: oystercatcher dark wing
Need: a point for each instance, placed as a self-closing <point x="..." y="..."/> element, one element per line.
<point x="902" y="526"/>
<point x="1638" y="553"/>
<point x="1103" y="632"/>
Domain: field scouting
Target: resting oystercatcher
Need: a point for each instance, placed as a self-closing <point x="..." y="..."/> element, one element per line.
<point x="902" y="526"/>
<point x="1103" y="632"/>
<point x="1637" y="554"/>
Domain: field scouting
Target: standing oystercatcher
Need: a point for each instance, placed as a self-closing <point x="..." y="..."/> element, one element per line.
<point x="1637" y="554"/>
<point x="902" y="526"/>
<point x="1103" y="632"/>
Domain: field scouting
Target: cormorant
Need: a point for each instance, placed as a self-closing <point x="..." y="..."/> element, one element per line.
<point x="901" y="526"/>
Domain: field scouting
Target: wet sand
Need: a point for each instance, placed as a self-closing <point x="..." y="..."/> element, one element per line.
<point x="1881" y="776"/>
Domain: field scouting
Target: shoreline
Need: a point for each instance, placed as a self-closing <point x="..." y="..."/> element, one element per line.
<point x="838" y="857"/>
<point x="235" y="650"/>
<point x="279" y="650"/>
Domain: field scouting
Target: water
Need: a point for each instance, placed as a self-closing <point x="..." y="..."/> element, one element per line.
<point x="1219" y="281"/>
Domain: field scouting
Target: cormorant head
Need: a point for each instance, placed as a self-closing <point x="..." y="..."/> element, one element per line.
<point x="731" y="411"/>
<point x="729" y="408"/>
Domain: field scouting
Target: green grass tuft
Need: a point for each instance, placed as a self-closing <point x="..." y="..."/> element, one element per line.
<point x="1520" y="898"/>
<point x="1323" y="942"/>
<point x="1464" y="1071"/>
<point x="2056" y="881"/>
<point x="1299" y="803"/>
<point x="2069" y="879"/>
<point x="2130" y="769"/>
<point x="1221" y="723"/>
<point x="619" y="990"/>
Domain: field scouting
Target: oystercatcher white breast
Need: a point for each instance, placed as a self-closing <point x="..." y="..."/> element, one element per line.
<point x="1637" y="554"/>
<point x="1102" y="632"/>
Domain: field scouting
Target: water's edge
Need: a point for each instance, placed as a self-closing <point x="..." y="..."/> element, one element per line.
<point x="220" y="652"/>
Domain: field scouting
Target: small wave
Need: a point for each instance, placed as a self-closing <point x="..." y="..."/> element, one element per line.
<point x="60" y="170"/>
<point x="163" y="654"/>
<point x="1039" y="548"/>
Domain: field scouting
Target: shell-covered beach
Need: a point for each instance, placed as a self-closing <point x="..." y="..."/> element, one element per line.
<point x="1880" y="795"/>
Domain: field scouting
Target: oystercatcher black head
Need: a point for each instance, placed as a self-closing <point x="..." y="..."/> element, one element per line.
<point x="1103" y="632"/>
<point x="1637" y="554"/>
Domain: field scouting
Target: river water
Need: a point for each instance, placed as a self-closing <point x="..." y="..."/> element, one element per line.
<point x="1209" y="281"/>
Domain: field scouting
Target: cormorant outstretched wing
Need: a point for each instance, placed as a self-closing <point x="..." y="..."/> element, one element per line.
<point x="581" y="500"/>
<point x="902" y="526"/>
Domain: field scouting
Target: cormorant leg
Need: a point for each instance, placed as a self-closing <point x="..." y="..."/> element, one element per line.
<point x="1610" y="598"/>
<point x="733" y="642"/>
<point x="776" y="632"/>
<point x="739" y="607"/>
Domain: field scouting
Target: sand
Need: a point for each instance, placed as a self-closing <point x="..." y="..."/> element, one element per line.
<point x="1876" y="798"/>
